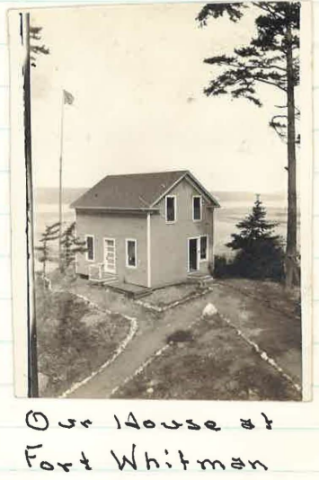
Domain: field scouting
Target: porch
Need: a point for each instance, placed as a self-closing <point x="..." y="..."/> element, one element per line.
<point x="98" y="275"/>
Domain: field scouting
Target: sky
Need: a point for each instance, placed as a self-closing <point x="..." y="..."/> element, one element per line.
<point x="137" y="76"/>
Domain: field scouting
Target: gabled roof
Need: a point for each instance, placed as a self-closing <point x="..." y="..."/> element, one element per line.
<point x="137" y="191"/>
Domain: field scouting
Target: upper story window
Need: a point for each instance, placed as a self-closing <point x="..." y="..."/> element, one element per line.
<point x="197" y="208"/>
<point x="170" y="209"/>
<point x="90" y="247"/>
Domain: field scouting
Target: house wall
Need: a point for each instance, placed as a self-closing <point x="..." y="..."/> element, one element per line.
<point x="120" y="227"/>
<point x="169" y="242"/>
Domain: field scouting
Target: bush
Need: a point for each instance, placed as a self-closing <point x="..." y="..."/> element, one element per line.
<point x="222" y="267"/>
<point x="180" y="336"/>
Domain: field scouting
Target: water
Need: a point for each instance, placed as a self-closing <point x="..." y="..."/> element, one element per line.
<point x="226" y="219"/>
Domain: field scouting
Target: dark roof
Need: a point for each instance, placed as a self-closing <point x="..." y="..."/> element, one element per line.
<point x="133" y="191"/>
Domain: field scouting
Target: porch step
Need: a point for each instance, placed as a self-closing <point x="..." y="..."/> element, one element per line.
<point x="200" y="278"/>
<point x="108" y="278"/>
<point x="133" y="291"/>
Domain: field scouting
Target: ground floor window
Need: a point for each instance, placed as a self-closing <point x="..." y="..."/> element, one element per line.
<point x="204" y="247"/>
<point x="90" y="247"/>
<point x="131" y="254"/>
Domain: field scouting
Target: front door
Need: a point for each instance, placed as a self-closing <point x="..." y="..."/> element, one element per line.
<point x="109" y="255"/>
<point x="193" y="254"/>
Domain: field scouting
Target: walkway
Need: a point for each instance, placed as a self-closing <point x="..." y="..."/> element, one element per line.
<point x="153" y="329"/>
<point x="276" y="334"/>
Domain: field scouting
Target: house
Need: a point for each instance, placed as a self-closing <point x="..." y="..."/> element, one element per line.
<point x="148" y="229"/>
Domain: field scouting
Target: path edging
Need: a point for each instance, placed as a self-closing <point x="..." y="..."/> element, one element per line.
<point x="118" y="351"/>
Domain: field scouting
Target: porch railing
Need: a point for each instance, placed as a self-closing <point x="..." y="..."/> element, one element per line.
<point x="97" y="273"/>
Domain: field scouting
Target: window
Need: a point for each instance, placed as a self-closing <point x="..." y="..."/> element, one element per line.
<point x="203" y="248"/>
<point x="170" y="208"/>
<point x="197" y="209"/>
<point x="90" y="247"/>
<point x="131" y="256"/>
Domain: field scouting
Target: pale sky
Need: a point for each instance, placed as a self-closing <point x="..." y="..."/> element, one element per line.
<point x="137" y="76"/>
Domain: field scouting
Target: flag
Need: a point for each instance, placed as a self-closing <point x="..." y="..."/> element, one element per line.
<point x="67" y="98"/>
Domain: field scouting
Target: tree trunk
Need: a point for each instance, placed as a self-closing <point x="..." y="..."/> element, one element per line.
<point x="291" y="260"/>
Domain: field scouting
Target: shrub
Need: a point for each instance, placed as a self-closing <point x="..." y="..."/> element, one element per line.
<point x="180" y="336"/>
<point x="222" y="267"/>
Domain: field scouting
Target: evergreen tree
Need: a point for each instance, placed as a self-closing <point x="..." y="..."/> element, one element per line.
<point x="50" y="234"/>
<point x="71" y="245"/>
<point x="259" y="250"/>
<point x="271" y="58"/>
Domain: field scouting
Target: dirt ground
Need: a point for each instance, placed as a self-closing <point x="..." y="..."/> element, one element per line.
<point x="212" y="361"/>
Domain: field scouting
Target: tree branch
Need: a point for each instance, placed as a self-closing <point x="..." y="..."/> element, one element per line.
<point x="271" y="83"/>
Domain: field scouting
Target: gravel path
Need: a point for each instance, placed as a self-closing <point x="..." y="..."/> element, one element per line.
<point x="150" y="337"/>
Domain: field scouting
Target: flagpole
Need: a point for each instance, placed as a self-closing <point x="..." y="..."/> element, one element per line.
<point x="60" y="183"/>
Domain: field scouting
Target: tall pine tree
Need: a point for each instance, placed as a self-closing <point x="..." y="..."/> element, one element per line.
<point x="271" y="58"/>
<point x="259" y="250"/>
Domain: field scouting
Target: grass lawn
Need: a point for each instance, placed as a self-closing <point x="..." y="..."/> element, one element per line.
<point x="209" y="362"/>
<point x="204" y="358"/>
<point x="268" y="315"/>
<point x="74" y="339"/>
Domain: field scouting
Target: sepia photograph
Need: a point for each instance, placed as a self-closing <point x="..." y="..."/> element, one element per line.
<point x="163" y="156"/>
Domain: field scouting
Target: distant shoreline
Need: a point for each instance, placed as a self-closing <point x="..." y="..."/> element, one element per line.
<point x="50" y="195"/>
